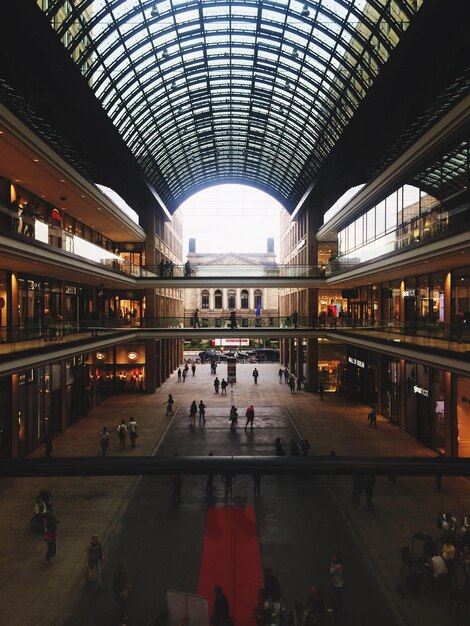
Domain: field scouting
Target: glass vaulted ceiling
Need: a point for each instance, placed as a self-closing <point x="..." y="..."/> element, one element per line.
<point x="251" y="91"/>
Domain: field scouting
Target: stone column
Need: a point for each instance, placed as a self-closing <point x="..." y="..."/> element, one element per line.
<point x="299" y="358"/>
<point x="311" y="372"/>
<point x="291" y="365"/>
<point x="211" y="299"/>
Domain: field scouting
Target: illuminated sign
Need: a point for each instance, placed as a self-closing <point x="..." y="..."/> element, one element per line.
<point x="100" y="356"/>
<point x="132" y="356"/>
<point x="409" y="293"/>
<point x="356" y="362"/>
<point x="421" y="391"/>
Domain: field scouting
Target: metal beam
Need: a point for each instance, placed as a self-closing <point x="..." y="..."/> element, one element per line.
<point x="197" y="465"/>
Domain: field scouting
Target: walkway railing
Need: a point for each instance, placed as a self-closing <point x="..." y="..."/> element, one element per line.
<point x="41" y="335"/>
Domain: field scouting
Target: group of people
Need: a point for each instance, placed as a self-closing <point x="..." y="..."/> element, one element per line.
<point x="166" y="269"/>
<point x="443" y="562"/>
<point x="122" y="430"/>
<point x="294" y="382"/>
<point x="270" y="609"/>
<point x="184" y="373"/>
<point x="220" y="384"/>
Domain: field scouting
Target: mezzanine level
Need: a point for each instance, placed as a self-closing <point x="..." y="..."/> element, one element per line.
<point x="26" y="348"/>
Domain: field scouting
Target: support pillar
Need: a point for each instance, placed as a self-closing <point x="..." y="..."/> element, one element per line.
<point x="150" y="366"/>
<point x="291" y="355"/>
<point x="299" y="370"/>
<point x="311" y="372"/>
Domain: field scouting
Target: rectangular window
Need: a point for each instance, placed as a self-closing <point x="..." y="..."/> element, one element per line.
<point x="380" y="219"/>
<point x="370" y="225"/>
<point x="391" y="212"/>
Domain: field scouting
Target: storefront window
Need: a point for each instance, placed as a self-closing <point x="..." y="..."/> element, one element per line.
<point x="463" y="416"/>
<point x="422" y="303"/>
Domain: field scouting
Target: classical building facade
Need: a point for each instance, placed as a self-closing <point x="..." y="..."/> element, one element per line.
<point x="251" y="305"/>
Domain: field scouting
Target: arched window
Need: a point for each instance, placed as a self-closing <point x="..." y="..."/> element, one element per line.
<point x="244" y="299"/>
<point x="258" y="299"/>
<point x="218" y="299"/>
<point x="204" y="299"/>
<point x="231" y="298"/>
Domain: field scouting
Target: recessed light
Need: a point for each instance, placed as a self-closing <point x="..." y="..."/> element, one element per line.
<point x="43" y="196"/>
<point x="62" y="180"/>
<point x="82" y="196"/>
<point x="36" y="160"/>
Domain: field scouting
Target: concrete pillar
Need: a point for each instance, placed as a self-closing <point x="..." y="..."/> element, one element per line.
<point x="299" y="358"/>
<point x="224" y="299"/>
<point x="251" y="298"/>
<point x="158" y="363"/>
<point x="311" y="372"/>
<point x="14" y="424"/>
<point x="291" y="365"/>
<point x="211" y="299"/>
<point x="150" y="366"/>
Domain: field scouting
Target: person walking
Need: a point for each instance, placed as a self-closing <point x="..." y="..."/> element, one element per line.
<point x="321" y="389"/>
<point x="94" y="559"/>
<point x="255" y="375"/>
<point x="233" y="418"/>
<point x="216" y="384"/>
<point x="169" y="405"/>
<point x="121" y="589"/>
<point x="187" y="269"/>
<point x="228" y="479"/>
<point x="202" y="412"/>
<point x="104" y="440"/>
<point x="280" y="374"/>
<point x="368" y="485"/>
<point x="292" y="383"/>
<point x="193" y="369"/>
<point x="132" y="431"/>
<point x="286" y="375"/>
<point x="295" y="319"/>
<point x="357" y="487"/>
<point x="196" y="320"/>
<point x="233" y="320"/>
<point x="299" y="384"/>
<point x="50" y="536"/>
<point x="223" y="386"/>
<point x="193" y="413"/>
<point x="179" y="374"/>
<point x="171" y="269"/>
<point x="122" y="430"/>
<point x="250" y="416"/>
<point x="221" y="613"/>
<point x="184" y="374"/>
<point x="337" y="582"/>
<point x="161" y="268"/>
<point x="372" y="418"/>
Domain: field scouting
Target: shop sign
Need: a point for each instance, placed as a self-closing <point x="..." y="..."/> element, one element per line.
<point x="421" y="391"/>
<point x="410" y="293"/>
<point x="100" y="356"/>
<point x="132" y="356"/>
<point x="356" y="362"/>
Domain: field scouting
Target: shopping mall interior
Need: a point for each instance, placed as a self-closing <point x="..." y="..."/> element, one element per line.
<point x="355" y="116"/>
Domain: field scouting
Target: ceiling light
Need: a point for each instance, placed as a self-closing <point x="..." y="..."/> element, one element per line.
<point x="36" y="160"/>
<point x="165" y="54"/>
<point x="305" y="11"/>
<point x="154" y="11"/>
<point x="295" y="53"/>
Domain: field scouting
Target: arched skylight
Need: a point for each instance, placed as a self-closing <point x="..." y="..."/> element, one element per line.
<point x="251" y="91"/>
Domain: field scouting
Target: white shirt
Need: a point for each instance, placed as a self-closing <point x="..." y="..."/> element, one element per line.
<point x="438" y="566"/>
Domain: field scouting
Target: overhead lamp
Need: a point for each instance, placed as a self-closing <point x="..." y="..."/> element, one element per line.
<point x="173" y="85"/>
<point x="154" y="11"/>
<point x="165" y="54"/>
<point x="288" y="85"/>
<point x="305" y="11"/>
<point x="295" y="53"/>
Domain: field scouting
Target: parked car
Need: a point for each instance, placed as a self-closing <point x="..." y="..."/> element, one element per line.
<point x="209" y="355"/>
<point x="269" y="355"/>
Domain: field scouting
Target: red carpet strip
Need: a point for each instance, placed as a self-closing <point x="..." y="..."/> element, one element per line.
<point x="231" y="558"/>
